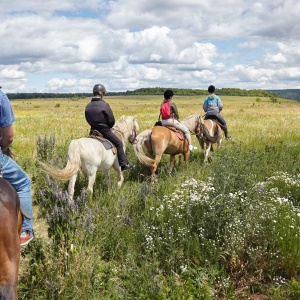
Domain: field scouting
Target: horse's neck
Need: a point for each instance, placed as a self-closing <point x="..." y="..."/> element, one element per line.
<point x="122" y="128"/>
<point x="119" y="134"/>
<point x="190" y="122"/>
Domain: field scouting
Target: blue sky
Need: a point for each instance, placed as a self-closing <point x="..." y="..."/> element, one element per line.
<point x="68" y="46"/>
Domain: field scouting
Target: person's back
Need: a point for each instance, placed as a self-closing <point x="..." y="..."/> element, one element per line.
<point x="212" y="106"/>
<point x="173" y="120"/>
<point x="100" y="117"/>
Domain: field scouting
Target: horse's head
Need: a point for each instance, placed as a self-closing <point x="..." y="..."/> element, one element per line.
<point x="198" y="125"/>
<point x="134" y="130"/>
<point x="128" y="127"/>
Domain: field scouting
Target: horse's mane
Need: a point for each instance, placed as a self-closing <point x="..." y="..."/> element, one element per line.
<point x="125" y="124"/>
<point x="189" y="122"/>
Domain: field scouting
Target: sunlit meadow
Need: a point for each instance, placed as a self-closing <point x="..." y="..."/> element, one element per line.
<point x="224" y="230"/>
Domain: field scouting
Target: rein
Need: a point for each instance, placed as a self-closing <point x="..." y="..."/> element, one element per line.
<point x="132" y="140"/>
<point x="202" y="128"/>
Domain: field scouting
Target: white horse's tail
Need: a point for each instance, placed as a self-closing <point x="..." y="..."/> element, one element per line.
<point x="138" y="148"/>
<point x="73" y="163"/>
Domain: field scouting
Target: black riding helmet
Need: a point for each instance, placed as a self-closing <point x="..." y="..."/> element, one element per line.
<point x="99" y="89"/>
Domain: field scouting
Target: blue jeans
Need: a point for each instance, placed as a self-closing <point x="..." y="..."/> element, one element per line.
<point x="13" y="173"/>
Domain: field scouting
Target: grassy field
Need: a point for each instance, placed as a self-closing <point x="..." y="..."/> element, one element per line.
<point x="249" y="121"/>
<point x="226" y="230"/>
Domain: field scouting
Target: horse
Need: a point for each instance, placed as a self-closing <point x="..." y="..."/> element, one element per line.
<point x="91" y="156"/>
<point x="207" y="132"/>
<point x="10" y="230"/>
<point x="159" y="140"/>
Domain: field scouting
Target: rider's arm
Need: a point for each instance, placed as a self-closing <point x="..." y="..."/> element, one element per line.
<point x="7" y="137"/>
<point x="174" y="110"/>
<point x="220" y="104"/>
<point x="205" y="105"/>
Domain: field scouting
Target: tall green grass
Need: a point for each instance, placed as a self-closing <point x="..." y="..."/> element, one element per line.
<point x="223" y="230"/>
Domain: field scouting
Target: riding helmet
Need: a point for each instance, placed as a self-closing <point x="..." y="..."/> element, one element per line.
<point x="99" y="88"/>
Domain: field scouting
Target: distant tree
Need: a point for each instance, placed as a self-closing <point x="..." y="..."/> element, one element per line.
<point x="273" y="98"/>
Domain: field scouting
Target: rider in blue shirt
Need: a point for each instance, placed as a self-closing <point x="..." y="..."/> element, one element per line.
<point x="11" y="171"/>
<point x="212" y="106"/>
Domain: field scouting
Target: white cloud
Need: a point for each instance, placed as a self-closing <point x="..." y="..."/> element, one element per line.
<point x="130" y="44"/>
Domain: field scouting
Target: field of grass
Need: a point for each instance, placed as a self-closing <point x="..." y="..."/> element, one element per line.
<point x="225" y="230"/>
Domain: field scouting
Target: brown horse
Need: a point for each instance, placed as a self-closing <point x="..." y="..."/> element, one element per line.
<point x="10" y="230"/>
<point x="158" y="141"/>
<point x="208" y="132"/>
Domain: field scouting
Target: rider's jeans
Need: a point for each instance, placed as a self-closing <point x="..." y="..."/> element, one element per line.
<point x="13" y="173"/>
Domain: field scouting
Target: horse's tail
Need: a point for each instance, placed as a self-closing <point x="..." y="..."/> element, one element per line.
<point x="72" y="166"/>
<point x="206" y="134"/>
<point x="138" y="148"/>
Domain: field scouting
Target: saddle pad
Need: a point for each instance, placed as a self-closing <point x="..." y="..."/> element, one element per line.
<point x="179" y="133"/>
<point x="106" y="143"/>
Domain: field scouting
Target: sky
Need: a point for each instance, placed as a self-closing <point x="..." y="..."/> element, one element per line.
<point x="68" y="46"/>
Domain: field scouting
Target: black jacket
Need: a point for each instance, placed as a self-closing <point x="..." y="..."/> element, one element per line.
<point x="99" y="115"/>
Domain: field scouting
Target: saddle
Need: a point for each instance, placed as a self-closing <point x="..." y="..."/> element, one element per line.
<point x="95" y="134"/>
<point x="215" y="119"/>
<point x="179" y="133"/>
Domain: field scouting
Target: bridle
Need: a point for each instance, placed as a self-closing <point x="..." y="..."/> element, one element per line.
<point x="132" y="138"/>
<point x="199" y="125"/>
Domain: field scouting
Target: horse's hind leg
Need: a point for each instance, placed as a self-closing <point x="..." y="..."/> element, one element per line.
<point x="92" y="179"/>
<point x="219" y="143"/>
<point x="71" y="186"/>
<point x="154" y="167"/>
<point x="172" y="160"/>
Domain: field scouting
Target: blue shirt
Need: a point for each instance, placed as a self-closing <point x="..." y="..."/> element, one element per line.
<point x="212" y="105"/>
<point x="6" y="113"/>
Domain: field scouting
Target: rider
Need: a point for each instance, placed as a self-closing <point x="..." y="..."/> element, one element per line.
<point x="101" y="118"/>
<point x="173" y="120"/>
<point x="11" y="171"/>
<point x="212" y="106"/>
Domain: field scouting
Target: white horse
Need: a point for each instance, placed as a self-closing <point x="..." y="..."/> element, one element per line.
<point x="207" y="132"/>
<point x="91" y="156"/>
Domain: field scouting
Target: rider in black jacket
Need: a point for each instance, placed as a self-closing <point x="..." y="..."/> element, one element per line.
<point x="100" y="117"/>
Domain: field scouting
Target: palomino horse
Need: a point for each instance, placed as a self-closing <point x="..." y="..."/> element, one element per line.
<point x="207" y="132"/>
<point x="91" y="156"/>
<point x="10" y="230"/>
<point x="158" y="141"/>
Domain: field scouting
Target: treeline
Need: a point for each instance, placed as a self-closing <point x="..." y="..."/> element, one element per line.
<point x="12" y="96"/>
<point x="192" y="92"/>
<point x="147" y="91"/>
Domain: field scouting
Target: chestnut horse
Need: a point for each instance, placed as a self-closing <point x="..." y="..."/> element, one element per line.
<point x="158" y="141"/>
<point x="207" y="132"/>
<point x="10" y="230"/>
